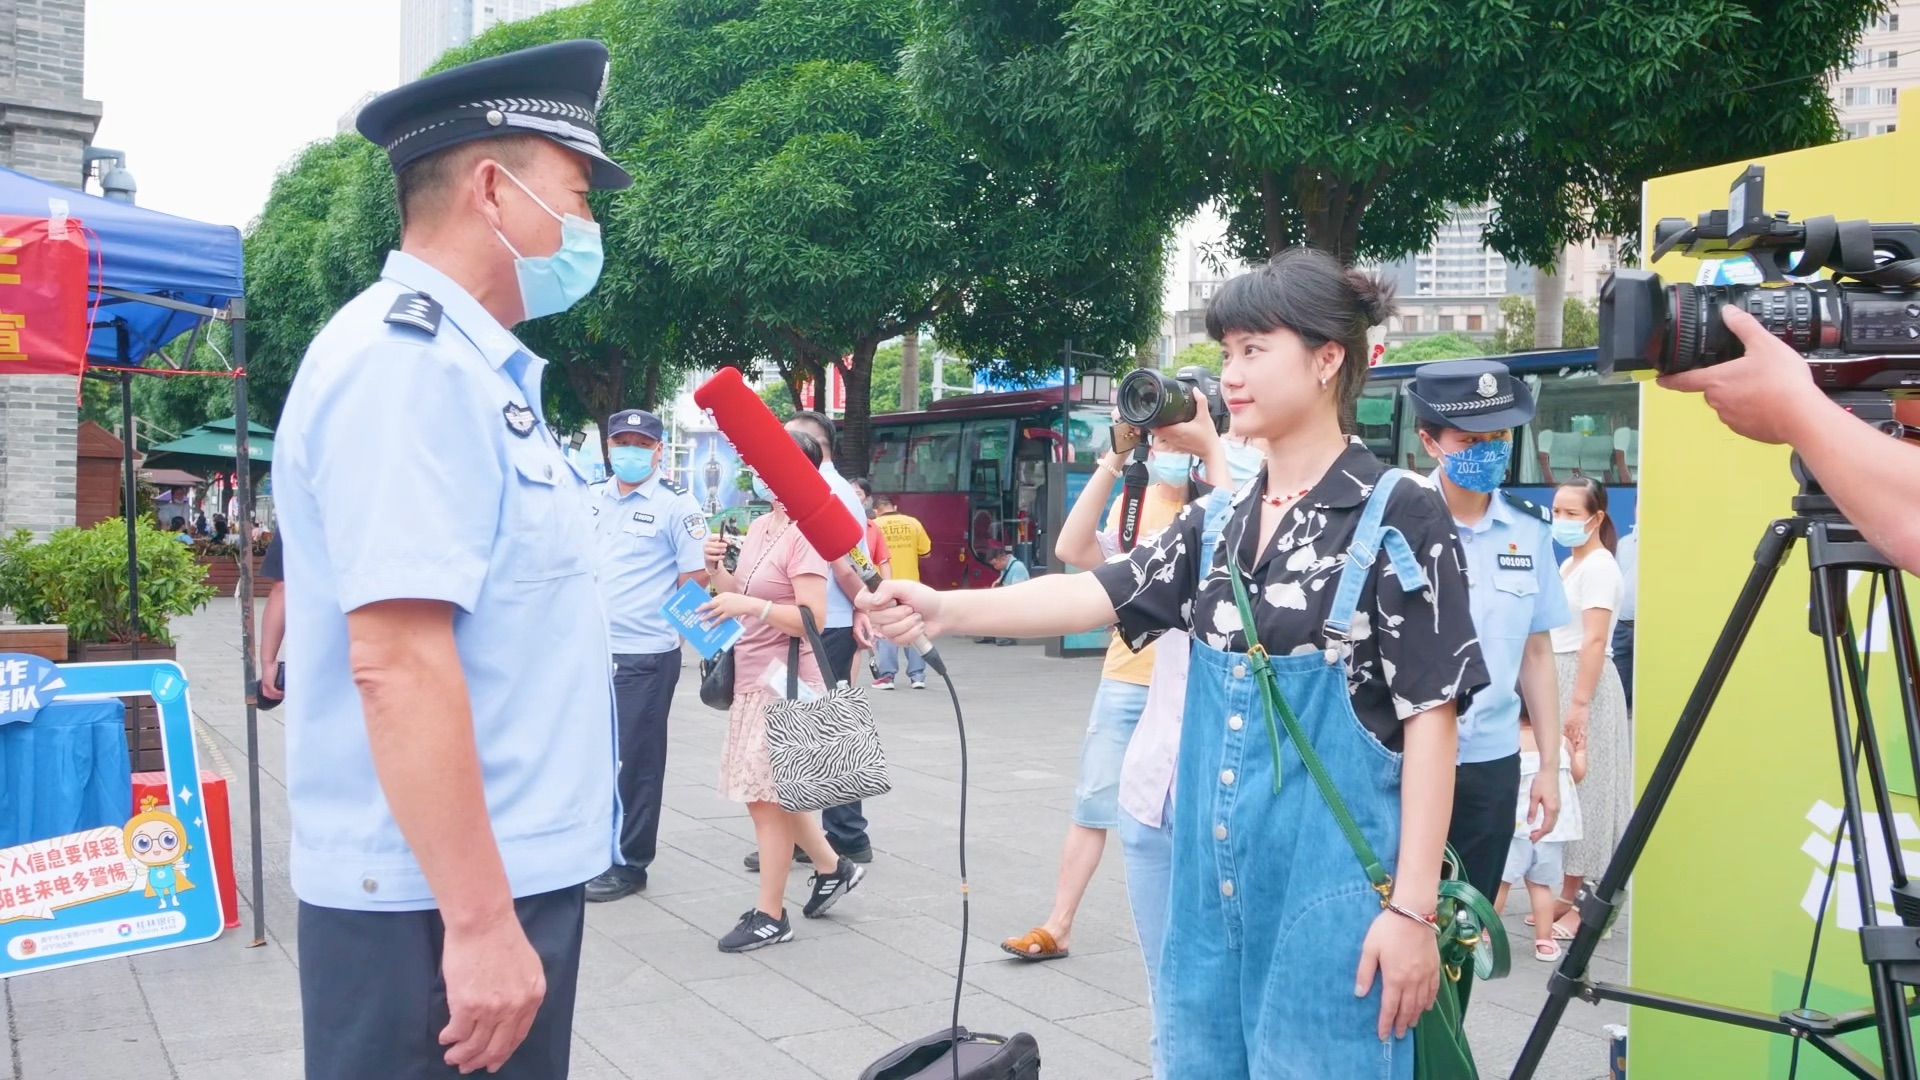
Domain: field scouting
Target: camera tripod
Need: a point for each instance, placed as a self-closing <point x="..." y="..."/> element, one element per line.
<point x="1892" y="953"/>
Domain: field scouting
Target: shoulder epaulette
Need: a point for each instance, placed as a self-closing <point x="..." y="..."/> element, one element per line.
<point x="1531" y="509"/>
<point x="673" y="486"/>
<point x="416" y="310"/>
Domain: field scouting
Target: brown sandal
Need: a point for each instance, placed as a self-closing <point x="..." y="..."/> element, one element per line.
<point x="1034" y="945"/>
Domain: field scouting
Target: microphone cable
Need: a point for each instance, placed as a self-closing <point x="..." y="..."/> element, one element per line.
<point x="966" y="913"/>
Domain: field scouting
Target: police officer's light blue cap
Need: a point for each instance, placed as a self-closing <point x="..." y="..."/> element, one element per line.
<point x="1471" y="395"/>
<point x="549" y="90"/>
<point x="638" y="422"/>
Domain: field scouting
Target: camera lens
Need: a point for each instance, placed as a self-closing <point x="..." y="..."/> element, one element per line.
<point x="1796" y="314"/>
<point x="1149" y="399"/>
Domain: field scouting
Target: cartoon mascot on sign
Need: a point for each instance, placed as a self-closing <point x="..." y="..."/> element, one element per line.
<point x="156" y="841"/>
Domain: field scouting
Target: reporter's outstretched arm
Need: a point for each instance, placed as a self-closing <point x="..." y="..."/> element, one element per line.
<point x="1040" y="607"/>
<point x="1769" y="395"/>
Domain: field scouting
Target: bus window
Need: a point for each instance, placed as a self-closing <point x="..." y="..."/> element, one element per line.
<point x="888" y="470"/>
<point x="1087" y="432"/>
<point x="1582" y="427"/>
<point x="933" y="458"/>
<point x="1412" y="456"/>
<point x="1374" y="413"/>
<point x="988" y="440"/>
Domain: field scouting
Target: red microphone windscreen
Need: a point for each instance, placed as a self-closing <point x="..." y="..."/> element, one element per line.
<point x="765" y="445"/>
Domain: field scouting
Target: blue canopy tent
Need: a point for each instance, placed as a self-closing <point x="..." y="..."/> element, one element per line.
<point x="152" y="278"/>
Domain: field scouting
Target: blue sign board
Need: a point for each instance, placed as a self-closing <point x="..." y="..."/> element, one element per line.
<point x="26" y="684"/>
<point x="1076" y="482"/>
<point x="126" y="887"/>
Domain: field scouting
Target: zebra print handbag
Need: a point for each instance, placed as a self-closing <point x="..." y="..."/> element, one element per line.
<point x="824" y="752"/>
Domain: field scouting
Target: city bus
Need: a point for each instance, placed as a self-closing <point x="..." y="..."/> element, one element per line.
<point x="1001" y="468"/>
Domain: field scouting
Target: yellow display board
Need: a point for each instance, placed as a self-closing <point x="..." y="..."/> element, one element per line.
<point x="1722" y="901"/>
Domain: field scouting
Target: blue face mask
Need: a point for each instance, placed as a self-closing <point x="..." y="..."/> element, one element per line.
<point x="1171" y="469"/>
<point x="762" y="491"/>
<point x="1570" y="534"/>
<point x="1482" y="466"/>
<point x="1244" y="462"/>
<point x="550" y="284"/>
<point x="631" y="464"/>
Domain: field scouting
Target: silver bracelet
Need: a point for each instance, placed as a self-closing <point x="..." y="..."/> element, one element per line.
<point x="1431" y="922"/>
<point x="766" y="611"/>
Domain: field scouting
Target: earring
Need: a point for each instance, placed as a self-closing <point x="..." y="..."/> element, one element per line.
<point x="1323" y="382"/>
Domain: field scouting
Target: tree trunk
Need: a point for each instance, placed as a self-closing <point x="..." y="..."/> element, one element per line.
<point x="651" y="398"/>
<point x="909" y="371"/>
<point x="1549" y="307"/>
<point x="601" y="386"/>
<point x="854" y="458"/>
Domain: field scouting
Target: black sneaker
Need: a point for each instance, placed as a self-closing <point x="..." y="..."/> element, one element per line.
<point x="825" y="890"/>
<point x="757" y="931"/>
<point x="752" y="861"/>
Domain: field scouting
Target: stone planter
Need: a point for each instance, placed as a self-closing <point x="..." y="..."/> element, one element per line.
<point x="143" y="719"/>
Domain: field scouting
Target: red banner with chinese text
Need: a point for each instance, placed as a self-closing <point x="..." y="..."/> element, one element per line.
<point x="43" y="296"/>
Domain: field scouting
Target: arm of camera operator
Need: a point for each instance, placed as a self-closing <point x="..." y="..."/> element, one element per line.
<point x="1769" y="395"/>
<point x="1079" y="540"/>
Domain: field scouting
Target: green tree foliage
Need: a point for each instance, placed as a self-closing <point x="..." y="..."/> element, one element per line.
<point x="1207" y="354"/>
<point x="79" y="577"/>
<point x="782" y="162"/>
<point x="1454" y="346"/>
<point x="1354" y="126"/>
<point x="1580" y="324"/>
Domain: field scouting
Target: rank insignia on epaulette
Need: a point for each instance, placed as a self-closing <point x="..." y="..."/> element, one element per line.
<point x="417" y="310"/>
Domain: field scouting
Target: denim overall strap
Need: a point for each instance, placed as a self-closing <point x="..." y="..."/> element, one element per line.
<point x="1369" y="540"/>
<point x="1277" y="705"/>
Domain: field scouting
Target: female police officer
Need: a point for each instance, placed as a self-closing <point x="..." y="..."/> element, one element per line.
<point x="1280" y="959"/>
<point x="450" y="753"/>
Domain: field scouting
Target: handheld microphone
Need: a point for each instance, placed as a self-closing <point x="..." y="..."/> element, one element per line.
<point x="764" y="444"/>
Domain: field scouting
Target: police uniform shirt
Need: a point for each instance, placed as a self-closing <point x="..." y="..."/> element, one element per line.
<point x="648" y="538"/>
<point x="839" y="604"/>
<point x="1514" y="590"/>
<point x="413" y="462"/>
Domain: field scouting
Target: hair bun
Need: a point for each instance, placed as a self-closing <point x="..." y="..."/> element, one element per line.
<point x="1375" y="294"/>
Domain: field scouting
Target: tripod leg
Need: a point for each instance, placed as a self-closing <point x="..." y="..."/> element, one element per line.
<point x="1889" y="998"/>
<point x="1869" y="743"/>
<point x="1596" y="903"/>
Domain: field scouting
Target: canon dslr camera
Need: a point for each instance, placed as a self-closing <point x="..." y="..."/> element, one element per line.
<point x="1150" y="399"/>
<point x="1855" y="328"/>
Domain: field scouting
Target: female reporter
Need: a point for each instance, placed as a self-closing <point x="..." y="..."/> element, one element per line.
<point x="778" y="573"/>
<point x="1280" y="960"/>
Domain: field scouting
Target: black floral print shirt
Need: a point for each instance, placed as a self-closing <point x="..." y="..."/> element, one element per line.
<point x="1409" y="652"/>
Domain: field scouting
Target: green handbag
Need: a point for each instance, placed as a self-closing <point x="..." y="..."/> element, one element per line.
<point x="1469" y="929"/>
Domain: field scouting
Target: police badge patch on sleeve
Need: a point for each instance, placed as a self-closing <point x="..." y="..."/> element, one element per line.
<point x="696" y="526"/>
<point x="519" y="419"/>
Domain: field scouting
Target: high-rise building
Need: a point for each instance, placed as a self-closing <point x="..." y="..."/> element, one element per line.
<point x="429" y="28"/>
<point x="1866" y="92"/>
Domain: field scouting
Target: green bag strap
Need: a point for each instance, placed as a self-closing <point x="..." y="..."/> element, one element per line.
<point x="1277" y="704"/>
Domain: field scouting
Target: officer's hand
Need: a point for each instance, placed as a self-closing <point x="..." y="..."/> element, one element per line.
<point x="902" y="611"/>
<point x="1762" y="394"/>
<point x="1197" y="436"/>
<point x="267" y="689"/>
<point x="1543" y="805"/>
<point x="495" y="984"/>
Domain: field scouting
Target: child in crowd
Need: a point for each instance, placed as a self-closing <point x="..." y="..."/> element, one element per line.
<point x="1537" y="857"/>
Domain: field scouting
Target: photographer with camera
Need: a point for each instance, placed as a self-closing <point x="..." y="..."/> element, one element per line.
<point x="1769" y="395"/>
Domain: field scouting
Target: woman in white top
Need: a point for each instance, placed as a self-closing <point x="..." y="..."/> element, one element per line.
<point x="1593" y="706"/>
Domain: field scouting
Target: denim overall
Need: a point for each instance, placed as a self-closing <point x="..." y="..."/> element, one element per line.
<point x="1270" y="905"/>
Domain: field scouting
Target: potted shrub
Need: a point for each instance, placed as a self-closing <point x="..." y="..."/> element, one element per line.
<point x="47" y="640"/>
<point x="79" y="577"/>
<point x="221" y="560"/>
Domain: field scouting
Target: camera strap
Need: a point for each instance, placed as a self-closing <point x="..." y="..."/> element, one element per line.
<point x="1133" y="497"/>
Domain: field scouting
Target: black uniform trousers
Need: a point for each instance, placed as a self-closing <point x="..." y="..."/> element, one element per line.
<point x="1485" y="794"/>
<point x="846" y="826"/>
<point x="643" y="685"/>
<point x="373" y="1002"/>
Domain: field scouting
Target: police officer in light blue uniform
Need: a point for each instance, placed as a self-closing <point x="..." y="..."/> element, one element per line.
<point x="1466" y="411"/>
<point x="651" y="533"/>
<point x="450" y="756"/>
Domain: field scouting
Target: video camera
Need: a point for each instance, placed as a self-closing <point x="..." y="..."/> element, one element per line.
<point x="1859" y="329"/>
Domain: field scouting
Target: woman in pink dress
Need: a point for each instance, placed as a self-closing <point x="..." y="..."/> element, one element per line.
<point x="777" y="573"/>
